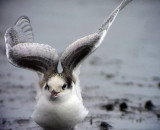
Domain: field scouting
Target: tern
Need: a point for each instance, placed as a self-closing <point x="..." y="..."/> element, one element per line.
<point x="59" y="101"/>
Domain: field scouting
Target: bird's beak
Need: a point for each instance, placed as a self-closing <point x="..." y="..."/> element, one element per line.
<point x="54" y="94"/>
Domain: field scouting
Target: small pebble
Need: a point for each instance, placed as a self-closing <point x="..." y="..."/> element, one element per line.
<point x="91" y="120"/>
<point x="105" y="126"/>
<point x="109" y="107"/>
<point x="4" y="121"/>
<point x="158" y="116"/>
<point x="1" y="101"/>
<point x="109" y="76"/>
<point x="123" y="107"/>
<point x="159" y="84"/>
<point x="149" y="105"/>
<point x="155" y="78"/>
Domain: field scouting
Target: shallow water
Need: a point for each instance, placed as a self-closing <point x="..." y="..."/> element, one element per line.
<point x="124" y="69"/>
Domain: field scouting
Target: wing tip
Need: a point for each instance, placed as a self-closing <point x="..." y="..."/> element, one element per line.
<point x="124" y="3"/>
<point x="107" y="23"/>
<point x="22" y="17"/>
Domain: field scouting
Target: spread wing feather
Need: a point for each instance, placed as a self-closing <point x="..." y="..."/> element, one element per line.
<point x="22" y="52"/>
<point x="80" y="49"/>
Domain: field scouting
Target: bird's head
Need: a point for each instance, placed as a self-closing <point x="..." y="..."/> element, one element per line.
<point x="58" y="87"/>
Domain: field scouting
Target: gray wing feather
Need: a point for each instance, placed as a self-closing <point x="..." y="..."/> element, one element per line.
<point x="22" y="52"/>
<point x="108" y="22"/>
<point x="34" y="56"/>
<point x="77" y="51"/>
<point x="80" y="49"/>
<point x="20" y="33"/>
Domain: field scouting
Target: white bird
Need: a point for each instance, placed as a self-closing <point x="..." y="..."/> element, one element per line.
<point x="59" y="102"/>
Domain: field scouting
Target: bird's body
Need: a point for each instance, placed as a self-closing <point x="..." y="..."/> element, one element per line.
<point x="59" y="115"/>
<point x="59" y="101"/>
<point x="62" y="113"/>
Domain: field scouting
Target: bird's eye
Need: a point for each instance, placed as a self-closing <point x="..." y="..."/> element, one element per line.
<point x="64" y="86"/>
<point x="47" y="87"/>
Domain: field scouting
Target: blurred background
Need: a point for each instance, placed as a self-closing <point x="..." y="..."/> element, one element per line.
<point x="120" y="80"/>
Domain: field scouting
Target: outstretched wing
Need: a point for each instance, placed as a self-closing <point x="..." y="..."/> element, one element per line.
<point x="81" y="48"/>
<point x="22" y="52"/>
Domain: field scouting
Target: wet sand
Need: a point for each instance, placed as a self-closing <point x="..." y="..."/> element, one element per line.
<point x="117" y="80"/>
